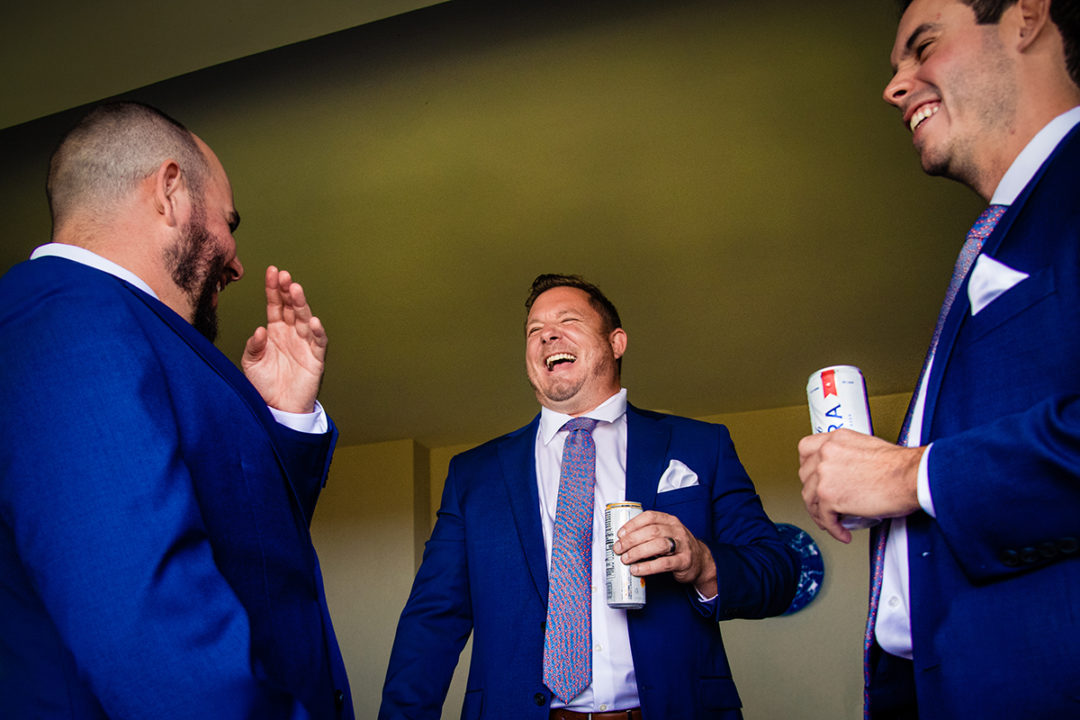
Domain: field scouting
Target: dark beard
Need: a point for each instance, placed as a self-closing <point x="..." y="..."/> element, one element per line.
<point x="206" y="319"/>
<point x="196" y="269"/>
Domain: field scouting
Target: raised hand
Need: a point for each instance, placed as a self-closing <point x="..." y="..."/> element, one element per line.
<point x="285" y="359"/>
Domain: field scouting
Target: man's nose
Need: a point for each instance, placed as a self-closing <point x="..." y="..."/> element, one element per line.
<point x="897" y="89"/>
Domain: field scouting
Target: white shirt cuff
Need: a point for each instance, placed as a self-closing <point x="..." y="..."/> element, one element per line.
<point x="314" y="423"/>
<point x="923" y="487"/>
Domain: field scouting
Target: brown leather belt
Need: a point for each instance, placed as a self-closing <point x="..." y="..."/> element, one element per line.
<point x="631" y="714"/>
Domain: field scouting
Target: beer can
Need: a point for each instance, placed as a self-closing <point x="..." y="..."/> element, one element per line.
<point x="837" y="398"/>
<point x="623" y="589"/>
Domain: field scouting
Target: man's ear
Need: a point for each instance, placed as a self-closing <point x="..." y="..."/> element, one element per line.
<point x="1030" y="18"/>
<point x="168" y="188"/>
<point x="617" y="338"/>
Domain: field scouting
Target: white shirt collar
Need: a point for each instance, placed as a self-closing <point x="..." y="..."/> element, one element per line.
<point x="1033" y="156"/>
<point x="608" y="411"/>
<point x="91" y="259"/>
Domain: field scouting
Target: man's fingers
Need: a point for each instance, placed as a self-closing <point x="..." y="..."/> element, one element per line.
<point x="831" y="524"/>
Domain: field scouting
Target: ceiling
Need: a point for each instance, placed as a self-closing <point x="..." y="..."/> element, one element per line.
<point x="724" y="169"/>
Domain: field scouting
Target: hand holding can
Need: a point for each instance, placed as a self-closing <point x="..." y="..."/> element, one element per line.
<point x="837" y="398"/>
<point x="624" y="590"/>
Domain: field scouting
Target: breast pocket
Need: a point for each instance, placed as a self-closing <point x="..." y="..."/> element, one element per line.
<point x="1023" y="299"/>
<point x="690" y="505"/>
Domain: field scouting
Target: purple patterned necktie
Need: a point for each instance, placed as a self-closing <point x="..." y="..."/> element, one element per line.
<point x="981" y="230"/>
<point x="568" y="634"/>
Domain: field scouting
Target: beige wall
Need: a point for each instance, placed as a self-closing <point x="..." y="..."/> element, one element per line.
<point x="364" y="532"/>
<point x="378" y="508"/>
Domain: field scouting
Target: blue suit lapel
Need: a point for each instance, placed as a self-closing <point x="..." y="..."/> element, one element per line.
<point x="961" y="306"/>
<point x="232" y="375"/>
<point x="960" y="309"/>
<point x="517" y="464"/>
<point x="646" y="450"/>
<point x="210" y="354"/>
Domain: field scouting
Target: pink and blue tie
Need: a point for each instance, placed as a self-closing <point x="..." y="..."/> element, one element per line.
<point x="981" y="230"/>
<point x="568" y="635"/>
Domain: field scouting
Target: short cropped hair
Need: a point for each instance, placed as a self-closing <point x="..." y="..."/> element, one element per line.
<point x="597" y="299"/>
<point x="111" y="150"/>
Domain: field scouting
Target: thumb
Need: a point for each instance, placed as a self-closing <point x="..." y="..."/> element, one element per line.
<point x="255" y="345"/>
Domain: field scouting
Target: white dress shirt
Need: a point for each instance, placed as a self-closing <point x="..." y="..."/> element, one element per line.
<point x="614" y="685"/>
<point x="313" y="422"/>
<point x="893" y="627"/>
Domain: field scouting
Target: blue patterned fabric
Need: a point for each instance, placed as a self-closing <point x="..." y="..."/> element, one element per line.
<point x="568" y="637"/>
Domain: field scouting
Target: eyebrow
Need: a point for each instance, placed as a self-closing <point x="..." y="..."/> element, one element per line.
<point x="913" y="38"/>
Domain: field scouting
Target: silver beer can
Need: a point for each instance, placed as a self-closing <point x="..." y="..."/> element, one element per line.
<point x="837" y="398"/>
<point x="623" y="589"/>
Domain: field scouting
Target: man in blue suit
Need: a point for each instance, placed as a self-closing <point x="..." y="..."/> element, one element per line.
<point x="703" y="541"/>
<point x="155" y="558"/>
<point x="976" y="576"/>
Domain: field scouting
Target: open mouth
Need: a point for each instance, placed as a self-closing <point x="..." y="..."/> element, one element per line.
<point x="552" y="361"/>
<point x="922" y="115"/>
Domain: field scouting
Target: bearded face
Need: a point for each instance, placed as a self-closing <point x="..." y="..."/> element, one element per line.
<point x="197" y="265"/>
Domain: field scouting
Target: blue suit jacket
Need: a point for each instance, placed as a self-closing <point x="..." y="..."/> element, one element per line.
<point x="155" y="559"/>
<point x="995" y="579"/>
<point x="484" y="571"/>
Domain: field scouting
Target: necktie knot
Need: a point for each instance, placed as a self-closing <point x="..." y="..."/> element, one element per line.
<point x="580" y="423"/>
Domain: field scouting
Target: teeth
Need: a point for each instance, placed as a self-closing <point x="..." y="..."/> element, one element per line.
<point x="924" y="112"/>
<point x="558" y="357"/>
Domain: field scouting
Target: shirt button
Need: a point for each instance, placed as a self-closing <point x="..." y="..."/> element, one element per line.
<point x="603" y="708"/>
<point x="894" y="601"/>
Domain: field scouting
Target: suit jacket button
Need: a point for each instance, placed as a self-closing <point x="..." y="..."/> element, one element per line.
<point x="1029" y="555"/>
<point x="339" y="699"/>
<point x="1048" y="550"/>
<point x="540" y="699"/>
<point x="1068" y="545"/>
<point x="1009" y="558"/>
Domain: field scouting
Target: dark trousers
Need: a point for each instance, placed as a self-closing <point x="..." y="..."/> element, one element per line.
<point x="892" y="687"/>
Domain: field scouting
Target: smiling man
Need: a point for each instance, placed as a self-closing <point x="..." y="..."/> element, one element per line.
<point x="517" y="554"/>
<point x="977" y="570"/>
<point x="155" y="556"/>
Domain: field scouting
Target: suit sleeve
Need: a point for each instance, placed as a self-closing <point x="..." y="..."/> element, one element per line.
<point x="103" y="517"/>
<point x="436" y="621"/>
<point x="757" y="573"/>
<point x="306" y="457"/>
<point x="1007" y="494"/>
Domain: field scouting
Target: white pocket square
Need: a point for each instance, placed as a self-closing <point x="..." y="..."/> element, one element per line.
<point x="677" y="476"/>
<point x="989" y="279"/>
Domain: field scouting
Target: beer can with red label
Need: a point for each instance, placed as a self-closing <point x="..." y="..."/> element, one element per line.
<point x="624" y="590"/>
<point x="837" y="397"/>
